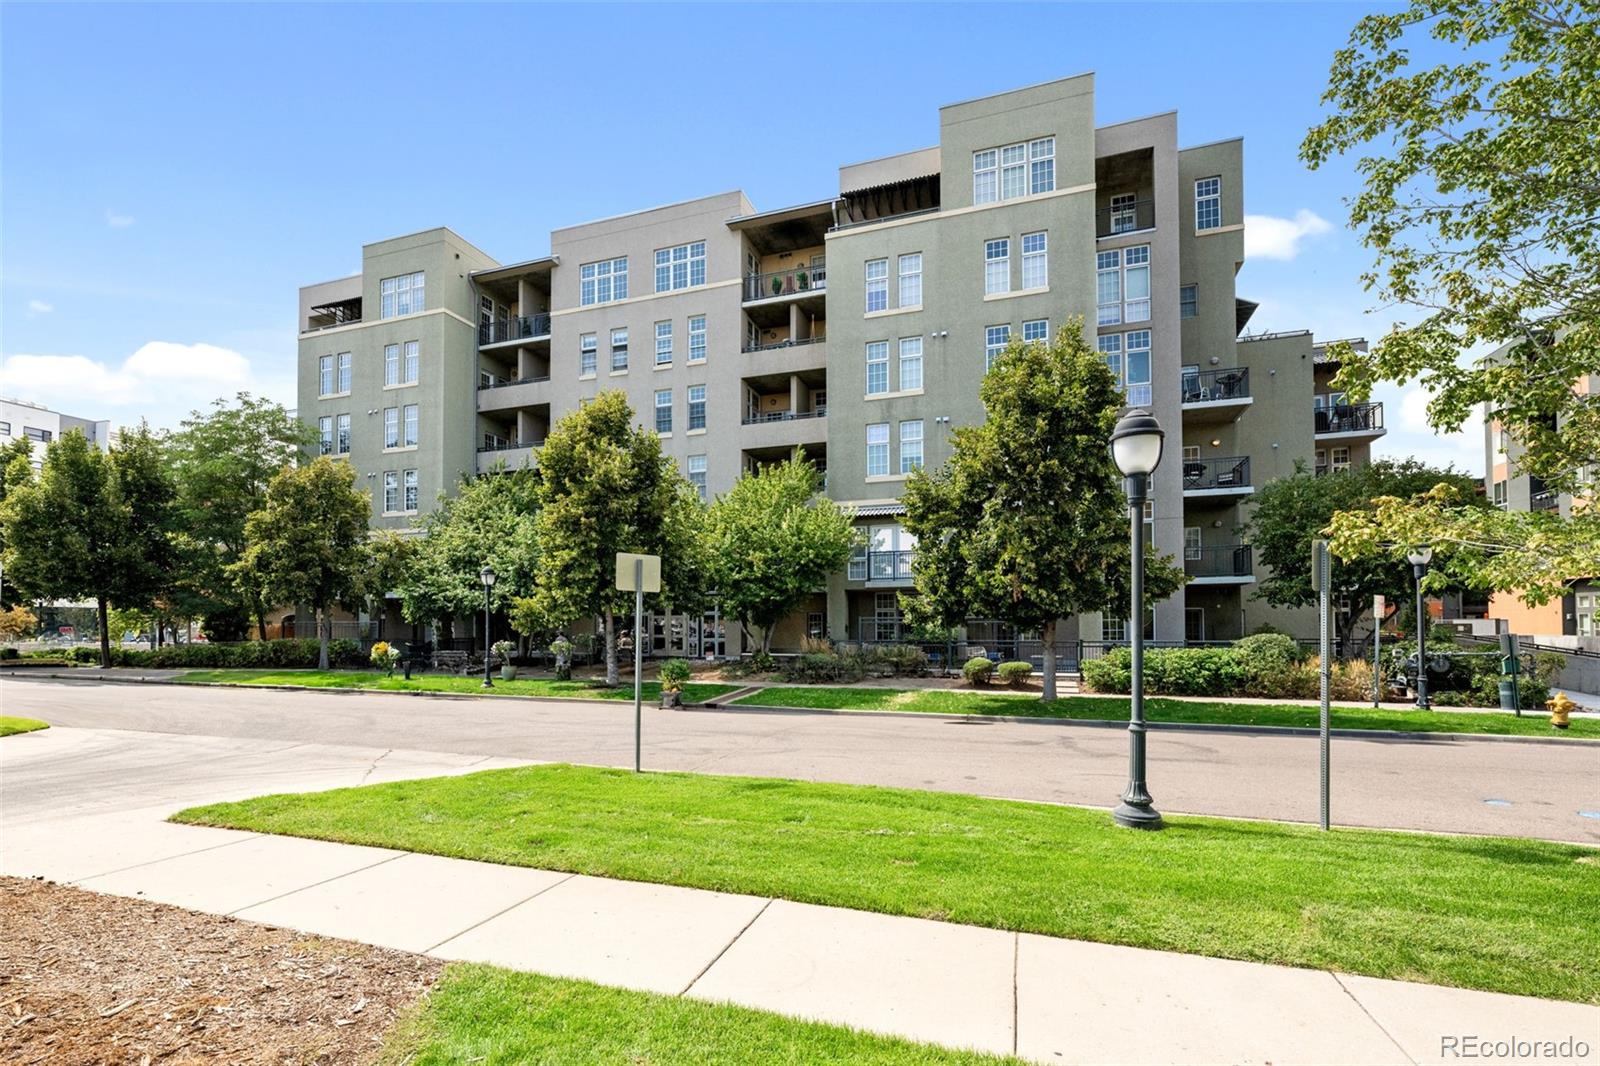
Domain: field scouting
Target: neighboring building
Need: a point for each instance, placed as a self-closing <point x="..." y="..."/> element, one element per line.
<point x="39" y="424"/>
<point x="857" y="327"/>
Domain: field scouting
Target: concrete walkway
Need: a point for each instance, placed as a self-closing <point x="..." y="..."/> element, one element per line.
<point x="1044" y="998"/>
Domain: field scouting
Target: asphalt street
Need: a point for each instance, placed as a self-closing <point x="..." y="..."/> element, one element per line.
<point x="1546" y="790"/>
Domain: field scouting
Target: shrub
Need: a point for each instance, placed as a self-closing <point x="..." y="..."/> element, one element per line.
<point x="1014" y="674"/>
<point x="906" y="660"/>
<point x="1112" y="672"/>
<point x="385" y="657"/>
<point x="977" y="670"/>
<point x="673" y="674"/>
<point x="10" y="653"/>
<point x="1193" y="671"/>
<point x="1263" y="657"/>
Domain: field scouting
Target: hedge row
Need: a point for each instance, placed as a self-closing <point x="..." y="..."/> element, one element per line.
<point x="267" y="654"/>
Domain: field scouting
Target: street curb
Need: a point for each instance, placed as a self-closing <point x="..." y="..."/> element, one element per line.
<point x="719" y="705"/>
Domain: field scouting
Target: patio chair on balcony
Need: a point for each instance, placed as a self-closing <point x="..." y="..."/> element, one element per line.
<point x="1193" y="472"/>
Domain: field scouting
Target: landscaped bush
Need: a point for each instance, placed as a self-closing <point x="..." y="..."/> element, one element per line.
<point x="1194" y="671"/>
<point x="10" y="653"/>
<point x="1112" y="672"/>
<point x="266" y="654"/>
<point x="1014" y="674"/>
<point x="833" y="667"/>
<point x="977" y="670"/>
<point x="903" y="660"/>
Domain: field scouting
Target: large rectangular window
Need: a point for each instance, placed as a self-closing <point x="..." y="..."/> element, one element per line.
<point x="663" y="344"/>
<point x="1042" y="165"/>
<point x="411" y="490"/>
<point x="391" y="427"/>
<point x="588" y="354"/>
<point x="697" y="338"/>
<point x="697" y="407"/>
<point x="325" y="376"/>
<point x="878" y="449"/>
<point x="877" y="367"/>
<point x="401" y="295"/>
<point x="910" y="446"/>
<point x="412" y="364"/>
<point x="344" y="371"/>
<point x="910" y="363"/>
<point x="985" y="176"/>
<point x="911" y="280"/>
<point x="995" y="339"/>
<point x="603" y="282"/>
<point x="1036" y="330"/>
<point x="1110" y="346"/>
<point x="391" y="364"/>
<point x="411" y="425"/>
<point x="663" y="410"/>
<point x="325" y="435"/>
<point x="1014" y="170"/>
<point x="997" y="265"/>
<point x="681" y="266"/>
<point x="391" y="491"/>
<point x="1137" y="356"/>
<point x="1136" y="284"/>
<point x="877" y="285"/>
<point x="1188" y="301"/>
<point x="697" y="474"/>
<point x="1208" y="203"/>
<point x="619" y="350"/>
<point x="341" y="440"/>
<point x="1108" y="287"/>
<point x="1035" y="261"/>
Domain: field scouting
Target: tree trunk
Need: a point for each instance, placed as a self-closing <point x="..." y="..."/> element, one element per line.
<point x="612" y="678"/>
<point x="1049" y="660"/>
<point x="259" y="609"/>
<point x="105" y="633"/>
<point x="322" y="639"/>
<point x="766" y="638"/>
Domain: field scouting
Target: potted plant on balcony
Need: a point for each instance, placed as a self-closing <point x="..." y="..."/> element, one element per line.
<point x="502" y="650"/>
<point x="802" y="280"/>
<point x="674" y="673"/>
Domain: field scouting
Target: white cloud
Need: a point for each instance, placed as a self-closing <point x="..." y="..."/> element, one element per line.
<point x="1268" y="237"/>
<point x="116" y="221"/>
<point x="1410" y="436"/>
<point x="39" y="307"/>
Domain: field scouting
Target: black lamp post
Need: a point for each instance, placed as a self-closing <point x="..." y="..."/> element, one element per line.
<point x="1136" y="447"/>
<point x="487" y="576"/>
<point x="1419" y="559"/>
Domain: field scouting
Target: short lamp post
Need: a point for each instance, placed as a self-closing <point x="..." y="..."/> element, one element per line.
<point x="1419" y="559"/>
<point x="487" y="576"/>
<point x="1136" y="448"/>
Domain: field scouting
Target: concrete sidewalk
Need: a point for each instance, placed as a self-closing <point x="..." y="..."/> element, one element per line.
<point x="1044" y="998"/>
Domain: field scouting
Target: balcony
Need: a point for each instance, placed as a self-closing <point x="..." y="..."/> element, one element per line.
<point x="1228" y="476"/>
<point x="795" y="283"/>
<point x="509" y="395"/>
<point x="1213" y="396"/>
<point x="1544" y="500"/>
<point x="514" y="454"/>
<point x="1218" y="564"/>
<point x="1134" y="217"/>
<point x="808" y="353"/>
<point x="519" y="328"/>
<point x="1349" y="421"/>
<point x="881" y="567"/>
<point x="785" y="429"/>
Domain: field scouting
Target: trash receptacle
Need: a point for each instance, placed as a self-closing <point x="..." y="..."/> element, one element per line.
<point x="1508" y="695"/>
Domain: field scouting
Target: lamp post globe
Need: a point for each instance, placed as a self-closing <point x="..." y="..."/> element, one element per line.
<point x="1419" y="558"/>
<point x="487" y="576"/>
<point x="1136" y="445"/>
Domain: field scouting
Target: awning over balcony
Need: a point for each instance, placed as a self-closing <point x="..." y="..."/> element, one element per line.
<point x="880" y="510"/>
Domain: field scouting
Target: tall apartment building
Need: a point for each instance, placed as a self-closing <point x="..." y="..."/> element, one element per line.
<point x="857" y="327"/>
<point x="40" y="425"/>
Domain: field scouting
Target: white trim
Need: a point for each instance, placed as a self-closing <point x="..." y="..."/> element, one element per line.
<point x="873" y="479"/>
<point x="892" y="395"/>
<point x="401" y="448"/>
<point x="333" y="395"/>
<point x="590" y="377"/>
<point x="616" y="373"/>
<point x="694" y="432"/>
<point x="1235" y="228"/>
<point x="329" y="331"/>
<point x="891" y="311"/>
<point x="401" y="385"/>
<point x="1015" y="293"/>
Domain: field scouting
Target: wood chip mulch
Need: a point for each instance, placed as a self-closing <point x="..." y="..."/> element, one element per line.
<point x="94" y="979"/>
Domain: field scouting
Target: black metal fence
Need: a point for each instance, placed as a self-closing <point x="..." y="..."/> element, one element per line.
<point x="776" y="345"/>
<point x="1230" y="472"/>
<point x="795" y="280"/>
<point x="821" y="411"/>
<point x="1205" y="386"/>
<point x="1349" y="418"/>
<point x="1125" y="218"/>
<point x="1217" y="560"/>
<point x="520" y="327"/>
<point x="881" y="566"/>
<point x="505" y="383"/>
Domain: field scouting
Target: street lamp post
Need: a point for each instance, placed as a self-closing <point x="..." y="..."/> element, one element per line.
<point x="487" y="576"/>
<point x="1136" y="446"/>
<point x="1419" y="559"/>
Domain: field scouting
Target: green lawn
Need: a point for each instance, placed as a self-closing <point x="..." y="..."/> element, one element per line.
<point x="1115" y="708"/>
<point x="487" y="1015"/>
<point x="692" y="693"/>
<point x="1497" y="914"/>
<point x="10" y="725"/>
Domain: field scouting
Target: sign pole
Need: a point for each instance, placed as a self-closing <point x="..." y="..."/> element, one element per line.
<point x="1377" y="659"/>
<point x="1321" y="579"/>
<point x="638" y="660"/>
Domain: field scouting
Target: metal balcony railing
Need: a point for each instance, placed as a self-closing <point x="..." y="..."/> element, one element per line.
<point x="1349" y="418"/>
<point x="1231" y="472"/>
<point x="1217" y="560"/>
<point x="498" y="445"/>
<point x="1544" y="500"/>
<point x="794" y="281"/>
<point x="881" y="566"/>
<point x="1205" y="386"/>
<point x="784" y="416"/>
<point x="775" y="345"/>
<point x="522" y="327"/>
<point x="506" y="383"/>
<point x="1125" y="218"/>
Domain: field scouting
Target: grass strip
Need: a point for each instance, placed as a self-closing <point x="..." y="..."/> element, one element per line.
<point x="10" y="725"/>
<point x="488" y="1015"/>
<point x="472" y="685"/>
<point x="1115" y="708"/>
<point x="1476" y="912"/>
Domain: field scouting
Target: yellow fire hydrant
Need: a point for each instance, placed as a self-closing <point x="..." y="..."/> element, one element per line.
<point x="1560" y="710"/>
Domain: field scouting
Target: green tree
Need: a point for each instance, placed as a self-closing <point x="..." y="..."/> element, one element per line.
<point x="223" y="461"/>
<point x="604" y="488"/>
<point x="16" y="469"/>
<point x="1289" y="513"/>
<point x="390" y="559"/>
<point x="772" y="540"/>
<point x="1027" y="522"/>
<point x="308" y="542"/>
<point x="1481" y="205"/>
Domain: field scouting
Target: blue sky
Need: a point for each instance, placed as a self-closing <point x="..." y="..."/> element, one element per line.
<point x="169" y="175"/>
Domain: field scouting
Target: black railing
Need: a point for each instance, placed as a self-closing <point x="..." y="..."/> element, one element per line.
<point x="519" y="328"/>
<point x="775" y="345"/>
<point x="1205" y="386"/>
<point x="784" y="416"/>
<point x="1349" y="418"/>
<point x="1217" y="560"/>
<point x="1544" y="500"/>
<point x="1125" y="218"/>
<point x="1232" y="472"/>
<point x="795" y="280"/>
<point x="881" y="566"/>
<point x="506" y="383"/>
<point x="509" y="445"/>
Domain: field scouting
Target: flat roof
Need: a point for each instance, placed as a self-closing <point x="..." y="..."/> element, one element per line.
<point x="783" y="214"/>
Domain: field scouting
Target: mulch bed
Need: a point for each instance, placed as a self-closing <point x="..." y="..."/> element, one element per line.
<point x="88" y="978"/>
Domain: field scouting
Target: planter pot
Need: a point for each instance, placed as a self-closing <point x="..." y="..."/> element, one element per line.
<point x="508" y="673"/>
<point x="671" y="700"/>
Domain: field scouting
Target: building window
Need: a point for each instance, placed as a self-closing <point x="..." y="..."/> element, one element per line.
<point x="985" y="176"/>
<point x="997" y="266"/>
<point x="1191" y="542"/>
<point x="391" y="427"/>
<point x="1042" y="165"/>
<point x="1137" y="361"/>
<point x="1113" y="630"/>
<point x="1036" y="330"/>
<point x="697" y="338"/>
<point x="1014" y="170"/>
<point x="1035" y="261"/>
<point x="1500" y="494"/>
<point x="341" y="440"/>
<point x="400" y="295"/>
<point x="1191" y="453"/>
<point x="877" y="285"/>
<point x="877" y="367"/>
<point x="619" y="350"/>
<point x="344" y="371"/>
<point x="1208" y="203"/>
<point x="1340" y="459"/>
<point x="1108" y="287"/>
<point x="411" y="490"/>
<point x="663" y="344"/>
<point x="588" y="354"/>
<point x="910" y="446"/>
<point x="1321" y="462"/>
<point x="697" y="407"/>
<point x="911" y="280"/>
<point x="603" y="282"/>
<point x="995" y="339"/>
<point x="325" y="435"/>
<point x="878" y="449"/>
<point x="1110" y="346"/>
<point x="325" y="376"/>
<point x="5" y="429"/>
<point x="663" y="410"/>
<point x="910" y="363"/>
<point x="391" y="491"/>
<point x="413" y="362"/>
<point x="391" y="364"/>
<point x="1124" y="213"/>
<point x="680" y="267"/>
<point x="411" y="425"/>
<point x="1122" y="285"/>
<point x="814" y="625"/>
<point x="697" y="474"/>
<point x="1186" y="301"/>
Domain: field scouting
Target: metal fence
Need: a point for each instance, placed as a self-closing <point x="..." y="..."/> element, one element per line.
<point x="1217" y="560"/>
<point x="795" y="280"/>
<point x="521" y="327"/>
<point x="1349" y="418"/>
<point x="1125" y="218"/>
<point x="1229" y="472"/>
<point x="1204" y="386"/>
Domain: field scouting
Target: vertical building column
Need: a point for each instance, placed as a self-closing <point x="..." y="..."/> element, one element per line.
<point x="838" y="609"/>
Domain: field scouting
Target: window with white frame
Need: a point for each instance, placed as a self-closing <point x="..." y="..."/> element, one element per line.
<point x="1191" y="542"/>
<point x="911" y="280"/>
<point x="412" y="363"/>
<point x="1339" y="459"/>
<point x="911" y="446"/>
<point x="1014" y="170"/>
<point x="1124" y="213"/>
<point x="681" y="266"/>
<point x="588" y="354"/>
<point x="986" y="176"/>
<point x="697" y="338"/>
<point x="995" y="339"/>
<point x="411" y="490"/>
<point x="997" y="265"/>
<point x="341" y="440"/>
<point x="1136" y="283"/>
<point x="603" y="282"/>
<point x="877" y="273"/>
<point x="391" y="491"/>
<point x="1037" y="329"/>
<point x="344" y="371"/>
<point x="878" y="449"/>
<point x="1191" y="453"/>
<point x="910" y="363"/>
<point x="1500" y="496"/>
<point x="1042" y="165"/>
<point x="1108" y="287"/>
<point x="697" y="474"/>
<point x="325" y="376"/>
<point x="1113" y="629"/>
<point x="400" y="295"/>
<point x="391" y="427"/>
<point x="410" y="425"/>
<point x="391" y="364"/>
<point x="1208" y="203"/>
<point x="877" y="367"/>
<point x="619" y="349"/>
<point x="325" y="435"/>
<point x="1137" y="362"/>
<point x="663" y="344"/>
<point x="663" y="410"/>
<point x="1188" y="304"/>
<point x="1110" y="345"/>
<point x="1035" y="261"/>
<point x="1321" y="459"/>
<point x="697" y="407"/>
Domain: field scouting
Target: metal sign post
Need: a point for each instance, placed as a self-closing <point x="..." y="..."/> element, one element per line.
<point x="1320" y="580"/>
<point x="638" y="574"/>
<point x="1377" y="638"/>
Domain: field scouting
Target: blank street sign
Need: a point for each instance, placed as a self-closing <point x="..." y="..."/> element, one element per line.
<point x="626" y="570"/>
